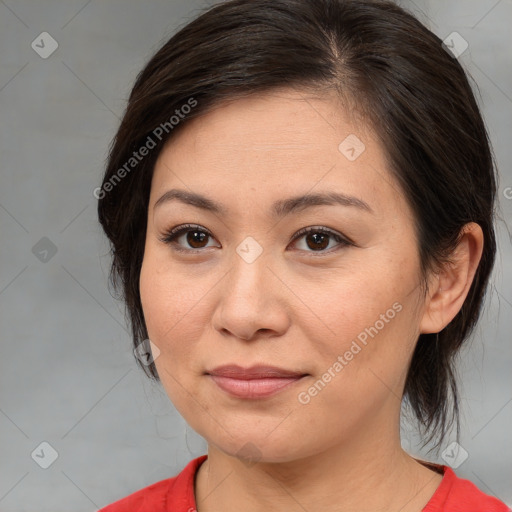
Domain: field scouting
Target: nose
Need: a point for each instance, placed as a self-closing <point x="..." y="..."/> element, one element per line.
<point x="252" y="302"/>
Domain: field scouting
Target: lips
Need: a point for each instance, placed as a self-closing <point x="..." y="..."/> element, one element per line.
<point x="254" y="382"/>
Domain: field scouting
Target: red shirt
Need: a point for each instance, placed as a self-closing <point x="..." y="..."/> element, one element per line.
<point x="176" y="494"/>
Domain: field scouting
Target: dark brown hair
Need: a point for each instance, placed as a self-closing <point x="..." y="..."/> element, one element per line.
<point x="379" y="59"/>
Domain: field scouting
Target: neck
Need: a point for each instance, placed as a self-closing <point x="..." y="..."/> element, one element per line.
<point x="361" y="474"/>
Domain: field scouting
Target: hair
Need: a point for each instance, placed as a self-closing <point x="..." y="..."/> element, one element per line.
<point x="379" y="59"/>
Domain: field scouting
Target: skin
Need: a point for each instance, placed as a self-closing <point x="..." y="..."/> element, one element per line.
<point x="293" y="307"/>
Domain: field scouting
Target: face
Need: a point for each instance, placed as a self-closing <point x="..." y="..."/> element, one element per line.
<point x="325" y="289"/>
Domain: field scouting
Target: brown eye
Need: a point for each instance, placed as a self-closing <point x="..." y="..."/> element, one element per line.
<point x="318" y="239"/>
<point x="187" y="238"/>
<point x="190" y="238"/>
<point x="196" y="238"/>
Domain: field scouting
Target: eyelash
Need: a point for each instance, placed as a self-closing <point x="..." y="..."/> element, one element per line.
<point x="170" y="237"/>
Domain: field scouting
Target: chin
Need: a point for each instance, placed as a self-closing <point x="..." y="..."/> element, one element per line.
<point x="253" y="446"/>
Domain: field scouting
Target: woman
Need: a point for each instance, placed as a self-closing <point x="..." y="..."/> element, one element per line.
<point x="300" y="205"/>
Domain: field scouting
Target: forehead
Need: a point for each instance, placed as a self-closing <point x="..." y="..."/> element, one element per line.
<point x="285" y="120"/>
<point x="274" y="144"/>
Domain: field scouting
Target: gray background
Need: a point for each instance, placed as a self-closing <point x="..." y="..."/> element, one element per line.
<point x="68" y="376"/>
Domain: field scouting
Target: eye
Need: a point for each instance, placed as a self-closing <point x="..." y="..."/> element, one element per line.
<point x="195" y="236"/>
<point x="318" y="239"/>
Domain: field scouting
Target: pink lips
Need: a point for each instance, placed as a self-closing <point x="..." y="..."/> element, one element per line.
<point x="254" y="382"/>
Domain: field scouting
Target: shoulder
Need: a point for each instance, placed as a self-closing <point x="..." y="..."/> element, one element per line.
<point x="176" y="493"/>
<point x="456" y="494"/>
<point x="139" y="501"/>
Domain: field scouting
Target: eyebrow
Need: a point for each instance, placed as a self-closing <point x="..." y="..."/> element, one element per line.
<point x="280" y="208"/>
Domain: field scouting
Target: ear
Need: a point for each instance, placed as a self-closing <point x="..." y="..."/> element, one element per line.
<point x="450" y="286"/>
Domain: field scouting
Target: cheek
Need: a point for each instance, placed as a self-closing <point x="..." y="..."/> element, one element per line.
<point x="171" y="307"/>
<point x="342" y="306"/>
<point x="364" y="331"/>
<point x="171" y="304"/>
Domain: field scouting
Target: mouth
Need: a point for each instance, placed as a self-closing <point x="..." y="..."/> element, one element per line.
<point x="255" y="382"/>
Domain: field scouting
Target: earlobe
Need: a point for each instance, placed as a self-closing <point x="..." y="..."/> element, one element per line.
<point x="453" y="282"/>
